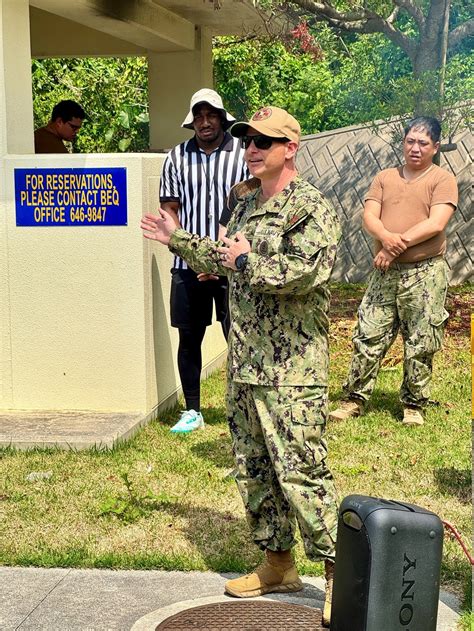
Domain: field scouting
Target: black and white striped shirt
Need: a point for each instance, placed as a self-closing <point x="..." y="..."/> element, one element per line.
<point x="201" y="184"/>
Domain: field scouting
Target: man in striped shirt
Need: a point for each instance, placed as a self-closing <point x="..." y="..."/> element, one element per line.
<point x="195" y="182"/>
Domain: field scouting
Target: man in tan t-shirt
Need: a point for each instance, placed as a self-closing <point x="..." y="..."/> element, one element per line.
<point x="66" y="121"/>
<point x="406" y="211"/>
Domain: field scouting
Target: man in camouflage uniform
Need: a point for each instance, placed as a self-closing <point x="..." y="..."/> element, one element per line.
<point x="279" y="256"/>
<point x="406" y="211"/>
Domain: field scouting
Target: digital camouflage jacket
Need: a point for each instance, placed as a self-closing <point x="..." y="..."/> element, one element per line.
<point x="279" y="302"/>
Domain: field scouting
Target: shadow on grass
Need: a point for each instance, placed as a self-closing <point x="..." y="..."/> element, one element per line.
<point x="170" y="415"/>
<point x="222" y="548"/>
<point x="220" y="537"/>
<point x="204" y="527"/>
<point x="336" y="396"/>
<point x="214" y="415"/>
<point x="216" y="452"/>
<point x="382" y="401"/>
<point x="456" y="482"/>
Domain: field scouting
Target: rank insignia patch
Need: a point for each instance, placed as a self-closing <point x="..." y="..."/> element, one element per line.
<point x="262" y="114"/>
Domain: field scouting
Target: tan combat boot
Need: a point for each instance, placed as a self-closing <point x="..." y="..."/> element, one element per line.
<point x="329" y="574"/>
<point x="347" y="409"/>
<point x="276" y="574"/>
<point x="412" y="416"/>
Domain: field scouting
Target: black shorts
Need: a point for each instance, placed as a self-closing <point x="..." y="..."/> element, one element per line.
<point x="191" y="300"/>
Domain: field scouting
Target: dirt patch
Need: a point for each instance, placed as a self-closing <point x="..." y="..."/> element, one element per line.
<point x="346" y="299"/>
<point x="459" y="306"/>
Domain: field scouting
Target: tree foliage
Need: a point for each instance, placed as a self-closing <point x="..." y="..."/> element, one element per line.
<point x="253" y="73"/>
<point x="427" y="32"/>
<point x="112" y="91"/>
<point x="355" y="79"/>
<point x="328" y="77"/>
<point x="418" y="28"/>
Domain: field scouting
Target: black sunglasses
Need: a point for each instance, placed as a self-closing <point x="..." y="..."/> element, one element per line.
<point x="260" y="141"/>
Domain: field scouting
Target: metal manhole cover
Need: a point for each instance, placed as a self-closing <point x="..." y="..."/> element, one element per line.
<point x="245" y="616"/>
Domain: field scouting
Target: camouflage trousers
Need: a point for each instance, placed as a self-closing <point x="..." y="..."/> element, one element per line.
<point x="282" y="473"/>
<point x="409" y="298"/>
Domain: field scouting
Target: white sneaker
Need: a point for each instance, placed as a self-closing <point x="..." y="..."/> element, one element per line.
<point x="188" y="422"/>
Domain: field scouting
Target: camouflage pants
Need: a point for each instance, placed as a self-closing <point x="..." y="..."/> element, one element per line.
<point x="408" y="298"/>
<point x="281" y="465"/>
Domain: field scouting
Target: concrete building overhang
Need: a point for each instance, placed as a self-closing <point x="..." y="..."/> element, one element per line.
<point x="132" y="27"/>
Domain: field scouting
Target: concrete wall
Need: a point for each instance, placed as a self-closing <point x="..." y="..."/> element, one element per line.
<point x="16" y="101"/>
<point x="172" y="79"/>
<point x="162" y="372"/>
<point x="343" y="162"/>
<point x="84" y="310"/>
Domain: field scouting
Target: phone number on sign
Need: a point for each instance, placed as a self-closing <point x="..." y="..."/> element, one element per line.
<point x="91" y="214"/>
<point x="57" y="214"/>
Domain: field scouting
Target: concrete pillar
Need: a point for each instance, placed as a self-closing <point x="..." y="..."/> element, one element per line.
<point x="16" y="101"/>
<point x="173" y="78"/>
<point x="16" y="137"/>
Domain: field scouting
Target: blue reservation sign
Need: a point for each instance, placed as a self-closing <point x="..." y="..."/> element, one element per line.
<point x="71" y="197"/>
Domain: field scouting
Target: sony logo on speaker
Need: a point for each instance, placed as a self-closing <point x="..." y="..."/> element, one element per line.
<point x="355" y="504"/>
<point x="407" y="598"/>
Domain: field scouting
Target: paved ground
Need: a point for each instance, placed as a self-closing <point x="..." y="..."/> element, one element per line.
<point x="106" y="600"/>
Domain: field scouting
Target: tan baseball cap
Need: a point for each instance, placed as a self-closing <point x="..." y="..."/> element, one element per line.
<point x="270" y="121"/>
<point x="211" y="97"/>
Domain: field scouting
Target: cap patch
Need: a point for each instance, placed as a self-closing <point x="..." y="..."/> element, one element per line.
<point x="262" y="114"/>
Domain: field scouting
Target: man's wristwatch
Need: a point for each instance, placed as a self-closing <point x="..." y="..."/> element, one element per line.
<point x="241" y="261"/>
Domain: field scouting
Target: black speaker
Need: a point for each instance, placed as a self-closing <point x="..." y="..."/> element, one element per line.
<point x="388" y="561"/>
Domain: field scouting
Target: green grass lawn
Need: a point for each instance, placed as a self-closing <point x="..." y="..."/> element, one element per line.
<point x="167" y="501"/>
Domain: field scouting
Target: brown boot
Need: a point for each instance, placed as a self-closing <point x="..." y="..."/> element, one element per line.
<point x="347" y="409"/>
<point x="412" y="416"/>
<point x="329" y="574"/>
<point x="276" y="574"/>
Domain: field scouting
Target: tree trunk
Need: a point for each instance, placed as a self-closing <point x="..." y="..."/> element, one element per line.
<point x="430" y="61"/>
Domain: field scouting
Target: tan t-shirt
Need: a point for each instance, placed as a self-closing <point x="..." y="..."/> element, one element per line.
<point x="47" y="142"/>
<point x="405" y="204"/>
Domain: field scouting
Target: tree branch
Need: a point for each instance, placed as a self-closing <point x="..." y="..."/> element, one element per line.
<point x="393" y="15"/>
<point x="327" y="10"/>
<point x="234" y="41"/>
<point x="415" y="12"/>
<point x="360" y="21"/>
<point x="461" y="32"/>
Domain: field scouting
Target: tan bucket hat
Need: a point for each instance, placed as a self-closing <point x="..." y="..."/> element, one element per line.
<point x="270" y="121"/>
<point x="206" y="95"/>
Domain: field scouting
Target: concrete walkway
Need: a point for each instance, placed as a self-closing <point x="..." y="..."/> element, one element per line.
<point x="24" y="429"/>
<point x="106" y="600"/>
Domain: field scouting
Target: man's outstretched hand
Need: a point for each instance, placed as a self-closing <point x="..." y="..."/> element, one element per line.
<point x="158" y="227"/>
